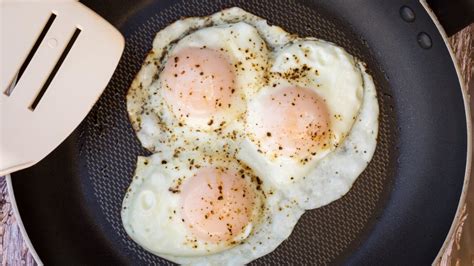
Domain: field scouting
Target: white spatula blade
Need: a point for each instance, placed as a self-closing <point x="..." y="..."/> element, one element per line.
<point x="75" y="56"/>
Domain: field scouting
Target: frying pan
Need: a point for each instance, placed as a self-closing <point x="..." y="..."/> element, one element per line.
<point x="398" y="212"/>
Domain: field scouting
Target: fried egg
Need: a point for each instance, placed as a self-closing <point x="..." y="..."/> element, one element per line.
<point x="203" y="84"/>
<point x="308" y="108"/>
<point x="249" y="126"/>
<point x="192" y="214"/>
<point x="324" y="179"/>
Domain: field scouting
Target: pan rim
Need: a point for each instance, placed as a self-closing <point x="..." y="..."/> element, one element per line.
<point x="468" y="113"/>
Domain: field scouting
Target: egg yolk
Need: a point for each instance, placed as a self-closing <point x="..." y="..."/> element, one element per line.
<point x="198" y="82"/>
<point x="292" y="121"/>
<point x="217" y="205"/>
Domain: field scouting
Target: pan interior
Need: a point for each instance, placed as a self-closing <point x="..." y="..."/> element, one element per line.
<point x="109" y="146"/>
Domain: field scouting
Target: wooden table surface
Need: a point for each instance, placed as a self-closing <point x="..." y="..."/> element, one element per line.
<point x="460" y="251"/>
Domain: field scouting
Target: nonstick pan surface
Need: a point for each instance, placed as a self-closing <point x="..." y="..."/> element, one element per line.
<point x="399" y="210"/>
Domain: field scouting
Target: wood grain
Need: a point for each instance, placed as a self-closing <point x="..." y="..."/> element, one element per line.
<point x="13" y="249"/>
<point x="15" y="252"/>
<point x="460" y="249"/>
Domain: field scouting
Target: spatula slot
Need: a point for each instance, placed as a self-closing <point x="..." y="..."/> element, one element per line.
<point x="30" y="55"/>
<point x="55" y="69"/>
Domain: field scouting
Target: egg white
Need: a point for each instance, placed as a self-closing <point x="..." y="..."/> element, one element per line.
<point x="323" y="181"/>
<point x="151" y="216"/>
<point x="280" y="218"/>
<point x="331" y="72"/>
<point x="151" y="210"/>
<point x="151" y="115"/>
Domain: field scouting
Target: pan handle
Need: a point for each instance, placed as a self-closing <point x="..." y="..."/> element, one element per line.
<point x="454" y="15"/>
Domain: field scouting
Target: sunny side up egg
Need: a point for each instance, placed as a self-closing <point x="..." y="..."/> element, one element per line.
<point x="307" y="108"/>
<point x="205" y="215"/>
<point x="249" y="126"/>
<point x="300" y="124"/>
<point x="204" y="82"/>
<point x="320" y="180"/>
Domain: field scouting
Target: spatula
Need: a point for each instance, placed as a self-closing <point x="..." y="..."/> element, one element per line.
<point x="56" y="59"/>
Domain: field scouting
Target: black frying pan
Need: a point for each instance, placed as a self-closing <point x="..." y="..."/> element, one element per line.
<point x="399" y="210"/>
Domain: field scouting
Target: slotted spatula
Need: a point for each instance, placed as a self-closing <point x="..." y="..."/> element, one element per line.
<point x="56" y="59"/>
